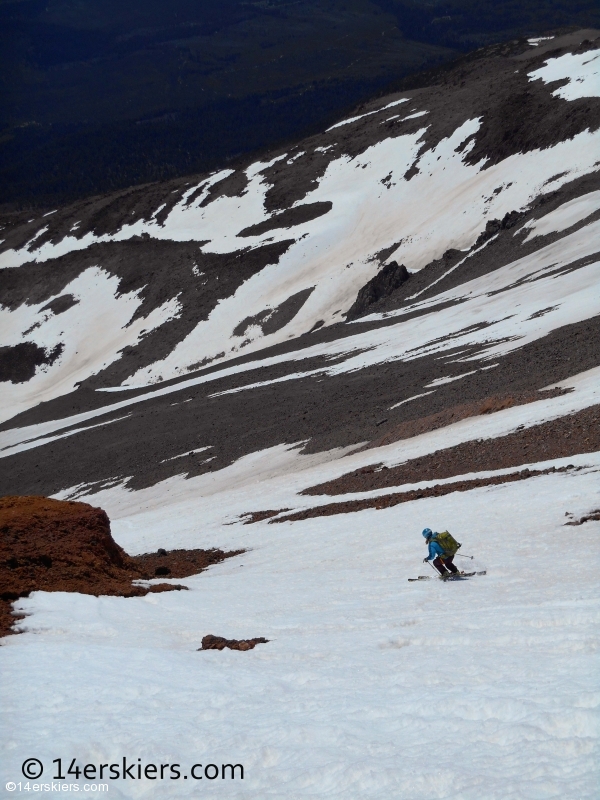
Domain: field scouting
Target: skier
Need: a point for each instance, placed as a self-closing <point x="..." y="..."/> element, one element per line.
<point x="442" y="549"/>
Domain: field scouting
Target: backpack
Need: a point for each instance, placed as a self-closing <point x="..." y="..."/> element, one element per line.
<point x="447" y="542"/>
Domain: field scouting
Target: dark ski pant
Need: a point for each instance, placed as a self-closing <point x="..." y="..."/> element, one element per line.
<point x="441" y="565"/>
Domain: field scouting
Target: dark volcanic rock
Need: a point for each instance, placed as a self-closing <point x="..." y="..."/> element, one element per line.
<point x="160" y="434"/>
<point x="287" y="219"/>
<point x="272" y="320"/>
<point x="494" y="226"/>
<point x="593" y="516"/>
<point x="386" y="281"/>
<point x="18" y="363"/>
<point x="60" y="304"/>
<point x="489" y="405"/>
<point x="336" y="412"/>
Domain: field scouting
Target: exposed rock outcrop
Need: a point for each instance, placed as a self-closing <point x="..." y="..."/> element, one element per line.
<point x="392" y="276"/>
<point x="64" y="546"/>
<point x="566" y="436"/>
<point x="19" y="362"/>
<point x="211" y="642"/>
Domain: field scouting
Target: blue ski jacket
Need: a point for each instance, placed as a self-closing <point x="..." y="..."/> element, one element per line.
<point x="435" y="550"/>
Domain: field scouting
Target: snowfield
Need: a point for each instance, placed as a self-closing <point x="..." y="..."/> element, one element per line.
<point x="370" y="686"/>
<point x="365" y="674"/>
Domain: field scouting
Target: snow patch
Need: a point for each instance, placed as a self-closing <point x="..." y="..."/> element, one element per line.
<point x="563" y="217"/>
<point x="410" y="399"/>
<point x="582" y="70"/>
<point x="368" y="114"/>
<point x="351" y="640"/>
<point x="93" y="333"/>
<point x="335" y="253"/>
<point x="534" y="42"/>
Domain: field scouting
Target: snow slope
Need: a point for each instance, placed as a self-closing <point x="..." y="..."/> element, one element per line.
<point x="364" y="671"/>
<point x="337" y="254"/>
<point x="99" y="326"/>
<point x="508" y="317"/>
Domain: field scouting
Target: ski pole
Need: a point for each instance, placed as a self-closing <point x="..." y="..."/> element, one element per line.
<point x="461" y="555"/>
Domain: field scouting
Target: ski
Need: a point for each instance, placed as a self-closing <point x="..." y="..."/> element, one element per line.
<point x="449" y="577"/>
<point x="461" y="576"/>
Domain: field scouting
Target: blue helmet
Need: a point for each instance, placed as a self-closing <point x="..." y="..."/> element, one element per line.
<point x="427" y="533"/>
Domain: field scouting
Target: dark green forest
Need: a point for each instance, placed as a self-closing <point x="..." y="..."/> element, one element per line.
<point x="102" y="94"/>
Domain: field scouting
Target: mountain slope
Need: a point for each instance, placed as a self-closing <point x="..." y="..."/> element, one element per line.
<point x="390" y="325"/>
<point x="253" y="271"/>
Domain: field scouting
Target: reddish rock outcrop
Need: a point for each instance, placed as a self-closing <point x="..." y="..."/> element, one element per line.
<point x="211" y="642"/>
<point x="56" y="545"/>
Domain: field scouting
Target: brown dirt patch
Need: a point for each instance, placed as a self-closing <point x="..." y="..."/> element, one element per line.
<point x="64" y="546"/>
<point x="448" y="416"/>
<point x="211" y="642"/>
<point x="178" y="563"/>
<point x="259" y="516"/>
<point x="559" y="438"/>
<point x="389" y="500"/>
